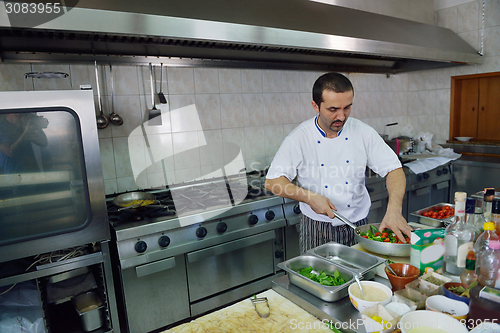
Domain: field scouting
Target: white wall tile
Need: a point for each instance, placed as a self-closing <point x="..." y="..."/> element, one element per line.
<point x="448" y="18"/>
<point x="272" y="81"/>
<point x="292" y="81"/>
<point x="292" y="108"/>
<point x="492" y="41"/>
<point x="229" y="81"/>
<point x="492" y="13"/>
<point x="206" y="80"/>
<point x="180" y="80"/>
<point x="107" y="158"/>
<point x="231" y="111"/>
<point x="253" y="109"/>
<point x="12" y="77"/>
<point x="251" y="81"/>
<point x="272" y="108"/>
<point x="186" y="154"/>
<point x="208" y="106"/>
<point x="468" y="16"/>
<point x="274" y="138"/>
<point x="255" y="140"/>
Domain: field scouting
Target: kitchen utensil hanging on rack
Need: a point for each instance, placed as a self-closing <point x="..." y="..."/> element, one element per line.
<point x="161" y="96"/>
<point x="102" y="120"/>
<point x="154" y="114"/>
<point x="114" y="118"/>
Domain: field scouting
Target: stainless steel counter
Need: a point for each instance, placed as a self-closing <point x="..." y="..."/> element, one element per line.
<point x="341" y="312"/>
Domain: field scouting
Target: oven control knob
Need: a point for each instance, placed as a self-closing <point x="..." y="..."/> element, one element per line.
<point x="201" y="232"/>
<point x="164" y="241"/>
<point x="141" y="247"/>
<point x="253" y="219"/>
<point x="419" y="178"/>
<point x="426" y="175"/>
<point x="439" y="172"/>
<point x="270" y="215"/>
<point x="221" y="227"/>
<point x="296" y="209"/>
<point x="445" y="171"/>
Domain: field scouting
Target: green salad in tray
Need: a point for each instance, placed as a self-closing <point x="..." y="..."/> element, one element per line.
<point x="322" y="277"/>
<point x="386" y="236"/>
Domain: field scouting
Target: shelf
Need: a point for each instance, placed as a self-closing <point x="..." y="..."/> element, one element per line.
<point x="55" y="268"/>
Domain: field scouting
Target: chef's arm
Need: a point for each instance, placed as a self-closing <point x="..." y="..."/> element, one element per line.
<point x="284" y="188"/>
<point x="393" y="219"/>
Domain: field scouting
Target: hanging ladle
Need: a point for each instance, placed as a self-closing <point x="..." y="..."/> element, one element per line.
<point x="113" y="117"/>
<point x="102" y="120"/>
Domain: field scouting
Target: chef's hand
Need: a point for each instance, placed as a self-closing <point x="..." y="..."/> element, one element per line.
<point x="396" y="222"/>
<point x="321" y="205"/>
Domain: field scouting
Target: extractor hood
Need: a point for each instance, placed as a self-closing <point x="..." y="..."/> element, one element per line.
<point x="262" y="33"/>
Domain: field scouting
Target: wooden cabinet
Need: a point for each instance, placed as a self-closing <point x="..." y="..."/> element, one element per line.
<point x="475" y="106"/>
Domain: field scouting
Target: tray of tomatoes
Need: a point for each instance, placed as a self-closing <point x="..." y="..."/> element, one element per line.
<point x="436" y="215"/>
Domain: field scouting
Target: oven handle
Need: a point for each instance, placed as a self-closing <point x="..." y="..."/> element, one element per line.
<point x="376" y="204"/>
<point x="155" y="267"/>
<point x="230" y="246"/>
<point x="442" y="185"/>
<point x="423" y="191"/>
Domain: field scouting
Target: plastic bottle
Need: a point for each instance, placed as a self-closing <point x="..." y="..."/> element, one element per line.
<point x="469" y="274"/>
<point x="482" y="242"/>
<point x="489" y="262"/>
<point x="458" y="239"/>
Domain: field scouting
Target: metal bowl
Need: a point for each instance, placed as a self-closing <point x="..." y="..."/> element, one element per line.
<point x="390" y="249"/>
<point x="437" y="223"/>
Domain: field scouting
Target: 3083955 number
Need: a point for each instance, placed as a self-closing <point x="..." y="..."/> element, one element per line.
<point x="32" y="8"/>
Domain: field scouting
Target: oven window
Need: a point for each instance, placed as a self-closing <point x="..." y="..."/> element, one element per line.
<point x="42" y="187"/>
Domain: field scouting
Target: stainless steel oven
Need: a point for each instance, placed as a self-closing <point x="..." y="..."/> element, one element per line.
<point x="51" y="184"/>
<point x="54" y="230"/>
<point x="175" y="267"/>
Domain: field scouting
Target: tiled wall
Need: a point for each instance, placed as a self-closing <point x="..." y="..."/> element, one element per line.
<point x="255" y="109"/>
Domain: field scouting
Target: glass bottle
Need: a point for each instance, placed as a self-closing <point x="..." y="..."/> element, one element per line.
<point x="469" y="274"/>
<point x="458" y="239"/>
<point x="470" y="205"/>
<point x="495" y="215"/>
<point x="483" y="241"/>
<point x="489" y="195"/>
<point x="478" y="221"/>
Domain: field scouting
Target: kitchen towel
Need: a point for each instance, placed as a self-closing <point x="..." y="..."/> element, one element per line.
<point x="427" y="164"/>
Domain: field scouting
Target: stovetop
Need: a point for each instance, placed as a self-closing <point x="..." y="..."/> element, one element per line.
<point x="187" y="199"/>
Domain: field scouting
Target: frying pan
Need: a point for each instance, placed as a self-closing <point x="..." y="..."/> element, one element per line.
<point x="124" y="200"/>
<point x="390" y="249"/>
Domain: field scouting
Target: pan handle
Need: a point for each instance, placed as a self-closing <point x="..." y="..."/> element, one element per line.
<point x="343" y="219"/>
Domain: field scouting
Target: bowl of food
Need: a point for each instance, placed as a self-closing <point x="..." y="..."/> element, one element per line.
<point x="422" y="321"/>
<point x="405" y="273"/>
<point x="381" y="241"/>
<point x="374" y="293"/>
<point x="464" y="138"/>
<point x="454" y="291"/>
<point x="456" y="309"/>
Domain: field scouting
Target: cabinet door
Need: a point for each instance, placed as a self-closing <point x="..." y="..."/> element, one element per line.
<point x="489" y="109"/>
<point x="469" y="107"/>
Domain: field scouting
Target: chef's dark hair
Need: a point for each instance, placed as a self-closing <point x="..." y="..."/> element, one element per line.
<point x="335" y="82"/>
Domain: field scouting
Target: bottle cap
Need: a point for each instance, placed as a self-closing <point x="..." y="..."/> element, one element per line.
<point x="460" y="196"/>
<point x="489" y="194"/>
<point x="494" y="244"/>
<point x="489" y="226"/>
<point x="495" y="207"/>
<point x="470" y="205"/>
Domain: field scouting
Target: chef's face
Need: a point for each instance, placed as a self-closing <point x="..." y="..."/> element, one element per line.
<point x="333" y="111"/>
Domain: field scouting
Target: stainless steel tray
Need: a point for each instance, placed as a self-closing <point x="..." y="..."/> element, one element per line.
<point x="326" y="293"/>
<point x="358" y="262"/>
<point x="429" y="220"/>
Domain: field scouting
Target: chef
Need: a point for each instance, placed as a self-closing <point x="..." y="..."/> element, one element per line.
<point x="328" y="156"/>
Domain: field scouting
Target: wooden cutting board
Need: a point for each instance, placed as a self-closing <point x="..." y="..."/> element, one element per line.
<point x="284" y="317"/>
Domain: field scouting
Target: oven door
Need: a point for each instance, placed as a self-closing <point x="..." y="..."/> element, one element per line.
<point x="155" y="294"/>
<point x="221" y="267"/>
<point x="51" y="183"/>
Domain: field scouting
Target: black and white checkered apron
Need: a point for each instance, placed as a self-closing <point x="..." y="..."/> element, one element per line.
<point x="315" y="233"/>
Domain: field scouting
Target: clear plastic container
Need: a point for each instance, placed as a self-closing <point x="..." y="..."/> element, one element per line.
<point x="483" y="240"/>
<point x="489" y="262"/>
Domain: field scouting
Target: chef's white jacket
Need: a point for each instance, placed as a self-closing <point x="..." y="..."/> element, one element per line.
<point x="334" y="167"/>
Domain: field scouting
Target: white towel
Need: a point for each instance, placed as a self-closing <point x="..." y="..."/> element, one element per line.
<point x="426" y="164"/>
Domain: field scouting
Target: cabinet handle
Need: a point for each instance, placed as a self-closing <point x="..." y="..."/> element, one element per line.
<point x="473" y="109"/>
<point x="482" y="108"/>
